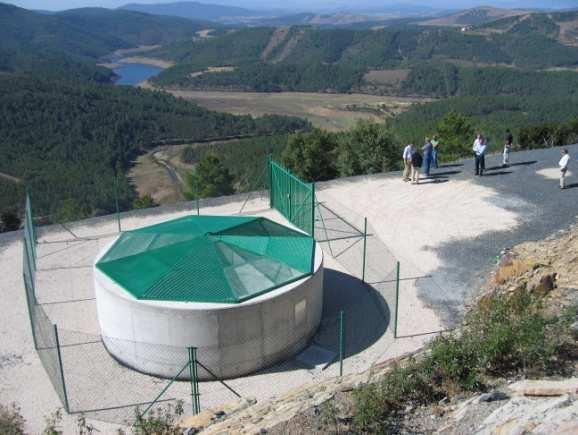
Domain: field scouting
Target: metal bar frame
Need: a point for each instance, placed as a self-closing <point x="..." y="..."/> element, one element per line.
<point x="60" y="367"/>
<point x="396" y="299"/>
<point x="341" y="341"/>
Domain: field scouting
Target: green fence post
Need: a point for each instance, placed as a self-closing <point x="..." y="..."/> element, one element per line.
<point x="60" y="366"/>
<point x="116" y="202"/>
<point x="270" y="179"/>
<point x="196" y="406"/>
<point x="396" y="299"/>
<point x="341" y="341"/>
<point x="364" y="248"/>
<point x="313" y="210"/>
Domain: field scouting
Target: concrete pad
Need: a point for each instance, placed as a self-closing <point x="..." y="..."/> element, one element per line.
<point x="316" y="357"/>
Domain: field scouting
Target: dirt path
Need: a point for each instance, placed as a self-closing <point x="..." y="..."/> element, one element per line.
<point x="172" y="172"/>
<point x="11" y="178"/>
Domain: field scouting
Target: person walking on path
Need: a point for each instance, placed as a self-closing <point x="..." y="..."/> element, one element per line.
<point x="407" y="153"/>
<point x="435" y="144"/>
<point x="563" y="164"/>
<point x="479" y="149"/>
<point x="427" y="155"/>
<point x="416" y="162"/>
<point x="507" y="149"/>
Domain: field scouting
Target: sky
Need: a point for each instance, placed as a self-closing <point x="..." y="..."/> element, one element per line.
<point x="304" y="4"/>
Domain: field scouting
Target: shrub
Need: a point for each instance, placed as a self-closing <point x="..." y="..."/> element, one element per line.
<point x="159" y="421"/>
<point x="504" y="335"/>
<point x="367" y="149"/>
<point x="311" y="156"/>
<point x="145" y="201"/>
<point x="11" y="421"/>
<point x="9" y="221"/>
<point x="210" y="178"/>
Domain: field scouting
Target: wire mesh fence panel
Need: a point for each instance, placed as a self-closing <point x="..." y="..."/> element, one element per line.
<point x="45" y="335"/>
<point x="352" y="241"/>
<point x="292" y="197"/>
<point x="103" y="388"/>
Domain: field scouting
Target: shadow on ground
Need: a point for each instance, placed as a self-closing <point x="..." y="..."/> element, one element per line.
<point x="367" y="315"/>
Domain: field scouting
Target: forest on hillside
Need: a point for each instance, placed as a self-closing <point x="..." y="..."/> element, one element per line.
<point x="336" y="60"/>
<point x="68" y="142"/>
<point x="68" y="45"/>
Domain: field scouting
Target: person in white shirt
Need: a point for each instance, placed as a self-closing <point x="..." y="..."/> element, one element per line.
<point x="479" y="149"/>
<point x="407" y="153"/>
<point x="563" y="164"/>
<point x="507" y="149"/>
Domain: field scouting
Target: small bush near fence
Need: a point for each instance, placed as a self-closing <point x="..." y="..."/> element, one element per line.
<point x="11" y="422"/>
<point x="505" y="335"/>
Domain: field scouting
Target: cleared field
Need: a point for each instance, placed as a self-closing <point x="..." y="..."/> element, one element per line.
<point x="333" y="112"/>
<point x="387" y="77"/>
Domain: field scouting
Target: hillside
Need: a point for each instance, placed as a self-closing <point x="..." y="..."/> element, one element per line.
<point x="560" y="26"/>
<point x="304" y="58"/>
<point x="196" y="11"/>
<point x="67" y="141"/>
<point x="68" y="44"/>
<point x="134" y="28"/>
<point x="473" y="16"/>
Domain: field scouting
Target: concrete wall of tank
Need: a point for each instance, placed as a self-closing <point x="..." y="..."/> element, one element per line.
<point x="232" y="339"/>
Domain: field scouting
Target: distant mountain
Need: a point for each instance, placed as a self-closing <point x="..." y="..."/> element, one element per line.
<point x="562" y="26"/>
<point x="134" y="28"/>
<point x="196" y="11"/>
<point x="473" y="17"/>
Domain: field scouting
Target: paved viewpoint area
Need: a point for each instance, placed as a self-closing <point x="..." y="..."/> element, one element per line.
<point x="453" y="226"/>
<point x="446" y="234"/>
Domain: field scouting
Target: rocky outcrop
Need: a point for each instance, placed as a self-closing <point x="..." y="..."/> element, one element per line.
<point x="275" y="415"/>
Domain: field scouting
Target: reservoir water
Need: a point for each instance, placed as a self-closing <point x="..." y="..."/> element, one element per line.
<point x="132" y="74"/>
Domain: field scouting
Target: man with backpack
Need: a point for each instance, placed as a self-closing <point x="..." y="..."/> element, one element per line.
<point x="416" y="162"/>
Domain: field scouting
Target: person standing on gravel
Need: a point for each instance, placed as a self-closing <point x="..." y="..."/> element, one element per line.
<point x="479" y="149"/>
<point x="407" y="153"/>
<point x="416" y="162"/>
<point x="435" y="144"/>
<point x="427" y="155"/>
<point x="563" y="164"/>
<point x="507" y="149"/>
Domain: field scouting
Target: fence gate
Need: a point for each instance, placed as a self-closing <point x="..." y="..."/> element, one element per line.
<point x="292" y="197"/>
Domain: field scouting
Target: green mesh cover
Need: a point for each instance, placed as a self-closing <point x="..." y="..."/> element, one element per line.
<point x="208" y="259"/>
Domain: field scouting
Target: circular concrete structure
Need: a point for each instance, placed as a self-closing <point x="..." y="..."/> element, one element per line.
<point x="241" y="293"/>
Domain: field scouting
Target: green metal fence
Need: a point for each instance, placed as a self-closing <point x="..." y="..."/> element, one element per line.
<point x="292" y="197"/>
<point x="44" y="333"/>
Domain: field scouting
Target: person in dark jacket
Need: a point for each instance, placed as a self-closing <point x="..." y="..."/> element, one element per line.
<point x="416" y="162"/>
<point x="427" y="155"/>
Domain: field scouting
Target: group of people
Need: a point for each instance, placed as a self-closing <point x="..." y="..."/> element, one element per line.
<point x="413" y="159"/>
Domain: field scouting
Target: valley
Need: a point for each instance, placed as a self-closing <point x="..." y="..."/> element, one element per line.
<point x="333" y="112"/>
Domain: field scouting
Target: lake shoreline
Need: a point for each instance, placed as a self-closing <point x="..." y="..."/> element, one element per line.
<point x="159" y="63"/>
